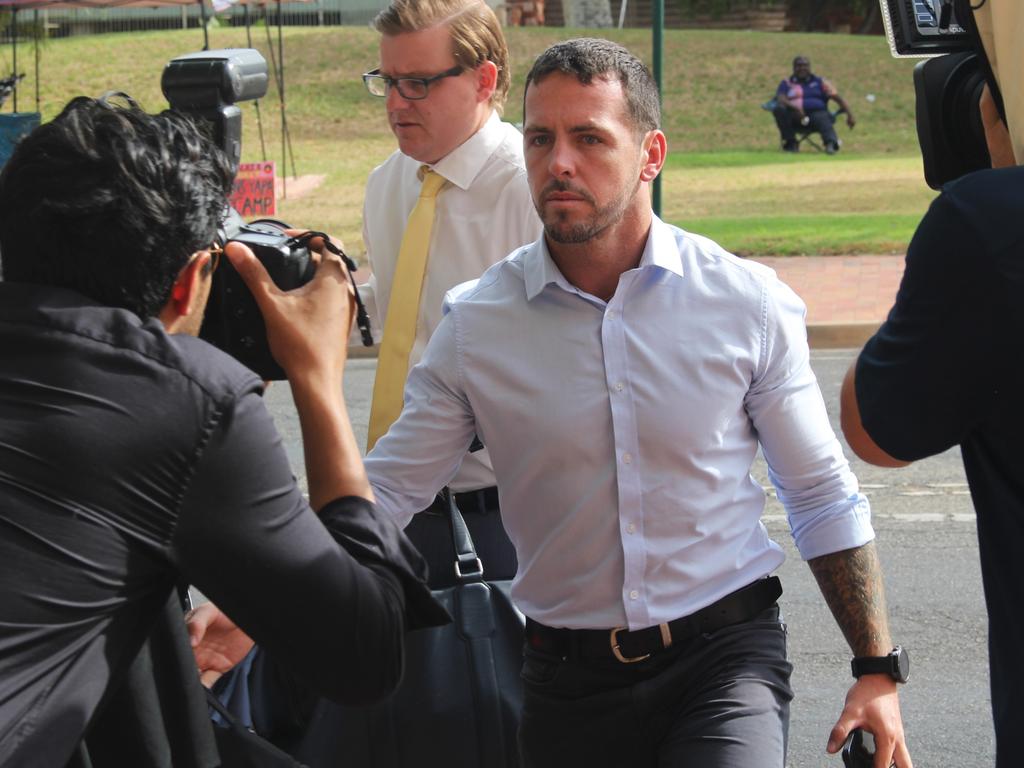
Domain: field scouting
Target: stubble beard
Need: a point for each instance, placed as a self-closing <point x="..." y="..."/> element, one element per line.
<point x="559" y="230"/>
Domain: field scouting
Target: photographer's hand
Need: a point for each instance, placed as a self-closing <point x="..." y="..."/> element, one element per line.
<point x="308" y="331"/>
<point x="299" y="321"/>
<point x="217" y="642"/>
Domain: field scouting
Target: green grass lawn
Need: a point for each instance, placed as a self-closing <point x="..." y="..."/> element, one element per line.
<point x="725" y="176"/>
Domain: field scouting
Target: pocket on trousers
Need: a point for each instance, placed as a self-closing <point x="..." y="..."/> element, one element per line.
<point x="768" y="619"/>
<point x="539" y="668"/>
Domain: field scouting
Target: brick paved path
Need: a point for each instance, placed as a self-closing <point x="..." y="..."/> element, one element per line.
<point x="847" y="297"/>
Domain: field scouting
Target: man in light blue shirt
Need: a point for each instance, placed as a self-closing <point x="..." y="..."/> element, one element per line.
<point x="622" y="373"/>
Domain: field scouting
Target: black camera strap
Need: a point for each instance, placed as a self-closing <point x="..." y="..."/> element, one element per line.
<point x="362" y="318"/>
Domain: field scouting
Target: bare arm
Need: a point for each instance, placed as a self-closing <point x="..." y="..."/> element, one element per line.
<point x="851" y="582"/>
<point x="844" y="104"/>
<point x="853" y="430"/>
<point x="997" y="137"/>
<point x="785" y="101"/>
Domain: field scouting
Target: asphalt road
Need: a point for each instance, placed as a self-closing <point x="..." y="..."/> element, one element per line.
<point x="928" y="545"/>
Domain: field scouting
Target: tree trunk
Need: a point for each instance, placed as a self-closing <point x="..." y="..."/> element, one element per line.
<point x="812" y="10"/>
<point x="869" y="21"/>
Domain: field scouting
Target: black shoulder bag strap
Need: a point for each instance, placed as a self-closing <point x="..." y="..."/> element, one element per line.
<point x="474" y="621"/>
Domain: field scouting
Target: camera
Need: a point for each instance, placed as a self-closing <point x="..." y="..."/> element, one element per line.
<point x="207" y="85"/>
<point x="233" y="321"/>
<point x="924" y="27"/>
<point x="947" y="85"/>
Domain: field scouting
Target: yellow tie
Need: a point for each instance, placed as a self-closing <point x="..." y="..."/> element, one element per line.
<point x="403" y="309"/>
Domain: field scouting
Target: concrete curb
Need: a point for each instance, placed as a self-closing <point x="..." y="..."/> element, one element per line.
<point x="840" y="335"/>
<point x="363" y="353"/>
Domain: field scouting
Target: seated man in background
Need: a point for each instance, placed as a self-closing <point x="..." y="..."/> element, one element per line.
<point x="801" y="102"/>
<point x="135" y="458"/>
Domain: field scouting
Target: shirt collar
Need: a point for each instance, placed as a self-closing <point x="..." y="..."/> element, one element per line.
<point x="463" y="164"/>
<point x="540" y="270"/>
<point x="662" y="250"/>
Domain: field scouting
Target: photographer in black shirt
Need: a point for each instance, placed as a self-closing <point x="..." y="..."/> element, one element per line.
<point x="945" y="368"/>
<point x="135" y="457"/>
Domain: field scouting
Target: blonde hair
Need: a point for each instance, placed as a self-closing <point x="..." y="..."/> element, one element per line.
<point x="476" y="35"/>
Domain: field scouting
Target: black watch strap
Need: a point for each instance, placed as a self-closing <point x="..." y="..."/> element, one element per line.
<point x="896" y="664"/>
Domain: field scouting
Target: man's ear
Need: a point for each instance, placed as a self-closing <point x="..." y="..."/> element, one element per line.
<point x="654" y="149"/>
<point x="486" y="81"/>
<point x="181" y="303"/>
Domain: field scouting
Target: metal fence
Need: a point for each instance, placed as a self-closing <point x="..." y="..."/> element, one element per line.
<point x="84" y="21"/>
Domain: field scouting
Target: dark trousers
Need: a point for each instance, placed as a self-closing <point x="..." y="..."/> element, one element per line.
<point x="430" y="533"/>
<point x="719" y="700"/>
<point x="789" y="124"/>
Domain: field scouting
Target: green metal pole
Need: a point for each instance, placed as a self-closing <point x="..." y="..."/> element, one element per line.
<point x="14" y="64"/>
<point x="658" y="23"/>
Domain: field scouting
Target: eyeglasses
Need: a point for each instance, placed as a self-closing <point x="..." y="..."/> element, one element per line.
<point x="410" y="88"/>
<point x="215" y="251"/>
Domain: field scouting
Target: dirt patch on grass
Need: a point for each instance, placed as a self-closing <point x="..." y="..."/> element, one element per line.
<point x="295" y="187"/>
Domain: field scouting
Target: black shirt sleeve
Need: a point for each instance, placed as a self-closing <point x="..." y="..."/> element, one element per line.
<point x="327" y="595"/>
<point x="922" y="380"/>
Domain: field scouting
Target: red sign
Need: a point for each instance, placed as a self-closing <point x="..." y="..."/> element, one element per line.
<point x="253" y="195"/>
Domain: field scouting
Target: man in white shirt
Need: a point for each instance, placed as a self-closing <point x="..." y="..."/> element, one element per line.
<point x="622" y="373"/>
<point x="444" y="72"/>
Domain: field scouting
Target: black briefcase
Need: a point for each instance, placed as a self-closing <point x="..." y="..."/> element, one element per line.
<point x="459" y="701"/>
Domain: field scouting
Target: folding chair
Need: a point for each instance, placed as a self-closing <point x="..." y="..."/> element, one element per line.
<point x="806" y="133"/>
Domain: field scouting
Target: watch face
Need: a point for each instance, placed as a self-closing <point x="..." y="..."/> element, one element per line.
<point x="902" y="664"/>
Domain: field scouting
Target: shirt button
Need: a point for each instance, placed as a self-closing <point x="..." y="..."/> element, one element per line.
<point x="619" y="386"/>
<point x="627" y="457"/>
<point x="634" y="595"/>
<point x="630" y="528"/>
<point x="610" y="314"/>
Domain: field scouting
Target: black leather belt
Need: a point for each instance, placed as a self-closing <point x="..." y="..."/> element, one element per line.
<point x="469" y="502"/>
<point x="628" y="647"/>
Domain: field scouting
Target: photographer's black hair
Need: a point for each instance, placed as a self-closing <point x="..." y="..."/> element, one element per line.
<point x="111" y="202"/>
<point x="586" y="58"/>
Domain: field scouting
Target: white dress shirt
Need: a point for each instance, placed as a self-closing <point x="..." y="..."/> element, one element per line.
<point x="481" y="215"/>
<point x="622" y="433"/>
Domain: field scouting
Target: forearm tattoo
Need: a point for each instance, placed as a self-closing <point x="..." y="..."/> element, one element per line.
<point x="851" y="582"/>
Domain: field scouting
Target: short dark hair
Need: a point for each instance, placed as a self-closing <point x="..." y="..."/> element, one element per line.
<point x="589" y="57"/>
<point x="111" y="202"/>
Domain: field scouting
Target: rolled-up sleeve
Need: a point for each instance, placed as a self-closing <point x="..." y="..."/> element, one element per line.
<point x="812" y="477"/>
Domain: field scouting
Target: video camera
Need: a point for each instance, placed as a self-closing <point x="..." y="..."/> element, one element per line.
<point x="207" y="85"/>
<point x="948" y="85"/>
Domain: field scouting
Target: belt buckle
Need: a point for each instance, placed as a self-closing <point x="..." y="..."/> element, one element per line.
<point x="617" y="653"/>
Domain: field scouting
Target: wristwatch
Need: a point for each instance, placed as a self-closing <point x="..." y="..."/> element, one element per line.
<point x="896" y="664"/>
